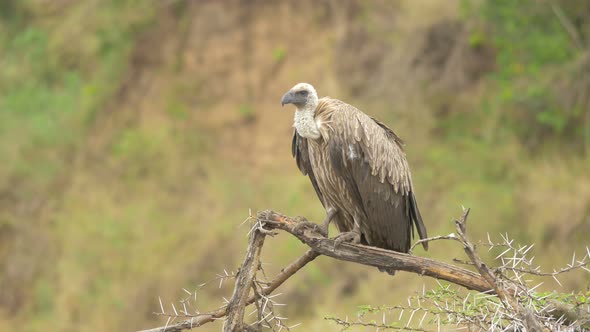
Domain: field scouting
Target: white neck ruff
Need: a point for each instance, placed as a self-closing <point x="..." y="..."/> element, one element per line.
<point x="305" y="123"/>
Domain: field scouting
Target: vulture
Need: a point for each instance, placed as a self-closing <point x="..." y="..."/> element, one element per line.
<point x="358" y="169"/>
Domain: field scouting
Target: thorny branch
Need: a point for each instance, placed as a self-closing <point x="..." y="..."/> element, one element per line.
<point x="481" y="267"/>
<point x="523" y="309"/>
<point x="347" y="324"/>
<point x="244" y="282"/>
<point x="508" y="300"/>
<point x="199" y="319"/>
<point x="491" y="283"/>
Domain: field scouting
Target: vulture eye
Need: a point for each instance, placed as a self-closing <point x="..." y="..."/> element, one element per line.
<point x="302" y="93"/>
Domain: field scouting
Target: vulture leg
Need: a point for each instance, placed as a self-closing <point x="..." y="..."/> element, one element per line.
<point x="330" y="214"/>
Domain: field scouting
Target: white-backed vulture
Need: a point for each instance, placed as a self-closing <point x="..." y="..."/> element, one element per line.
<point x="358" y="169"/>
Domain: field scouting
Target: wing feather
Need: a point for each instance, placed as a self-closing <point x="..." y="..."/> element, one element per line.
<point x="300" y="151"/>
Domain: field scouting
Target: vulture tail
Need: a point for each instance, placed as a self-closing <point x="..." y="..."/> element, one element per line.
<point x="417" y="218"/>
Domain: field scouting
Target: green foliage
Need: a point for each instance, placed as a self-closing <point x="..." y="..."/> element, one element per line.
<point x="247" y="111"/>
<point x="531" y="47"/>
<point x="177" y="109"/>
<point x="44" y="296"/>
<point x="544" y="298"/>
<point x="279" y="54"/>
<point x="522" y="50"/>
<point x="46" y="96"/>
<point x="446" y="306"/>
<point x="476" y="39"/>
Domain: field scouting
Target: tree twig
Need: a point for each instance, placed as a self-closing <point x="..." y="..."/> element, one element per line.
<point x="451" y="236"/>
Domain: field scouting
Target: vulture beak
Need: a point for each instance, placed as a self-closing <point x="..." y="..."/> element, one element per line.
<point x="288" y="98"/>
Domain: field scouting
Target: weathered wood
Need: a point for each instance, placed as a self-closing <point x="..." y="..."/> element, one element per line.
<point x="219" y="313"/>
<point x="376" y="256"/>
<point x="482" y="268"/>
<point x="237" y="303"/>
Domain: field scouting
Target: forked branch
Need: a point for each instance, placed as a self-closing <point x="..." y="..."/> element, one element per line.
<point x="375" y="256"/>
<point x="267" y="222"/>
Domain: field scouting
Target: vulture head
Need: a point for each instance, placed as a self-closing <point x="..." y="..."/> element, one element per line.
<point x="302" y="95"/>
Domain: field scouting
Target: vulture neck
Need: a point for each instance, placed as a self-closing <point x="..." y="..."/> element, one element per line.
<point x="305" y="123"/>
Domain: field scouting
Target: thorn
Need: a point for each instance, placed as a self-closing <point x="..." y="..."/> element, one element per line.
<point x="161" y="306"/>
<point x="530" y="247"/>
<point x="503" y="253"/>
<point x="167" y="322"/>
<point x="573" y="259"/>
<point x="421" y="320"/>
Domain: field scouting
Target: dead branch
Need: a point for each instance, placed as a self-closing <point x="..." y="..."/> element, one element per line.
<point x="267" y="222"/>
<point x="375" y="256"/>
<point x="200" y="319"/>
<point x="509" y="301"/>
<point x="239" y="299"/>
<point x="451" y="236"/>
<point x="346" y="324"/>
<point x="482" y="268"/>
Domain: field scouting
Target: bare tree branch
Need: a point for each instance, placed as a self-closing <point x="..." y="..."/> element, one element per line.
<point x="200" y="319"/>
<point x="268" y="222"/>
<point x="479" y="264"/>
<point x="375" y="256"/>
<point x="239" y="299"/>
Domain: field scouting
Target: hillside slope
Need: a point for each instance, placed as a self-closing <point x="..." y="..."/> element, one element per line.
<point x="136" y="137"/>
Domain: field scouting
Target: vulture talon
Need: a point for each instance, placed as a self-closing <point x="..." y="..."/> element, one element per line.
<point x="323" y="230"/>
<point x="300" y="219"/>
<point x="304" y="224"/>
<point x="352" y="237"/>
<point x="349" y="237"/>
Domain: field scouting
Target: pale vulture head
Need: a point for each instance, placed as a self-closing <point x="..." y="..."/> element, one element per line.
<point x="302" y="95"/>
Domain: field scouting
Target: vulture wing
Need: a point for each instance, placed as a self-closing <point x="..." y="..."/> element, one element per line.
<point x="369" y="155"/>
<point x="301" y="154"/>
<point x="414" y="212"/>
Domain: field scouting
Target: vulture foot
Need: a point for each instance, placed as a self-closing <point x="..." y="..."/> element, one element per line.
<point x="304" y="224"/>
<point x="349" y="237"/>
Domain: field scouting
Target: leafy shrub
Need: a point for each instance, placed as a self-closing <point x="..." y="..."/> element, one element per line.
<point x="537" y="63"/>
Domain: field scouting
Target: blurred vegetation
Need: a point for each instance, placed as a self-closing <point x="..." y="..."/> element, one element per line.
<point x="135" y="136"/>
<point x="540" y="44"/>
